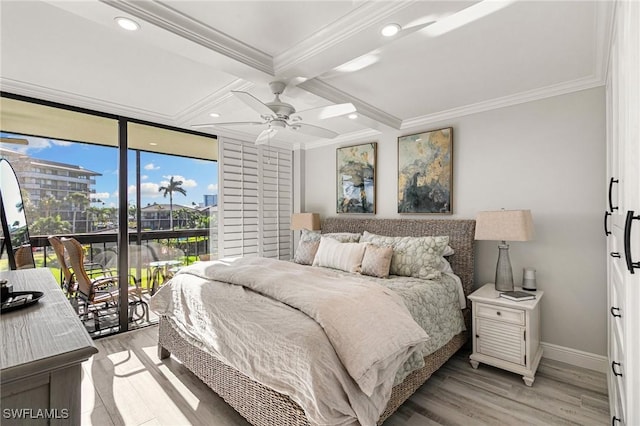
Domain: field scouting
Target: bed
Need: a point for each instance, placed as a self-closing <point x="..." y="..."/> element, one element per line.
<point x="262" y="405"/>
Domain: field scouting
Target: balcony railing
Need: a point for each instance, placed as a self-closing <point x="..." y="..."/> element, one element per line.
<point x="185" y="246"/>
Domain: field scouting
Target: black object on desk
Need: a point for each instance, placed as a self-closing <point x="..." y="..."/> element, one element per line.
<point x="20" y="299"/>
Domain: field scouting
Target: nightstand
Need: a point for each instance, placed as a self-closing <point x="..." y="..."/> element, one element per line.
<point x="506" y="333"/>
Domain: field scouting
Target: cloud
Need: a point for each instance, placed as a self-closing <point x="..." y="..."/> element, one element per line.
<point x="151" y="166"/>
<point x="61" y="143"/>
<point x="144" y="177"/>
<point x="100" y="196"/>
<point x="213" y="187"/>
<point x="186" y="183"/>
<point x="147" y="189"/>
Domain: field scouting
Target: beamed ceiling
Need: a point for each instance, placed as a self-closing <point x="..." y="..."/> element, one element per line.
<point x="449" y="59"/>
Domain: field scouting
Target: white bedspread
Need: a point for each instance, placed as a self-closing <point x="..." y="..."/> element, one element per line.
<point x="333" y="366"/>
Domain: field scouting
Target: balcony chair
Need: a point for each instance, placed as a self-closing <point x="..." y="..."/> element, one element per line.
<point x="24" y="257"/>
<point x="102" y="293"/>
<point x="68" y="284"/>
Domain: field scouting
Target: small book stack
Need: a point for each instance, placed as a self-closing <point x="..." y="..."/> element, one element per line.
<point x="518" y="296"/>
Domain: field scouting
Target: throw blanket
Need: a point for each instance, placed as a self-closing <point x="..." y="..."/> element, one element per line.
<point x="347" y="367"/>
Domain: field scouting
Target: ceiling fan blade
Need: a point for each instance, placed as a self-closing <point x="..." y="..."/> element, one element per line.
<point x="253" y="103"/>
<point x="325" y="112"/>
<point x="265" y="135"/>
<point x="310" y="130"/>
<point x="231" y="123"/>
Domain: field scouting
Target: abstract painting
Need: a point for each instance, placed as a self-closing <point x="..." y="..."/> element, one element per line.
<point x="425" y="172"/>
<point x="356" y="178"/>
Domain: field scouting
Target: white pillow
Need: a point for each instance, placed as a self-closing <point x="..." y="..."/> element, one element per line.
<point x="343" y="256"/>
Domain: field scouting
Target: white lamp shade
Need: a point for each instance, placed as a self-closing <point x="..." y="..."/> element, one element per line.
<point x="504" y="225"/>
<point x="310" y="221"/>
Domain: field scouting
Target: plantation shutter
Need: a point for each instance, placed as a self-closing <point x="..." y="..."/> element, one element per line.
<point x="254" y="207"/>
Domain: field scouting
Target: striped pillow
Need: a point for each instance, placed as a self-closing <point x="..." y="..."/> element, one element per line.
<point x="343" y="256"/>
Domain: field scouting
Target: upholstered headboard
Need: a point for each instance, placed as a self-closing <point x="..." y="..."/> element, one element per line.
<point x="460" y="232"/>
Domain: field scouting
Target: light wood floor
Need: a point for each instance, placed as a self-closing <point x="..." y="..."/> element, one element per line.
<point x="126" y="384"/>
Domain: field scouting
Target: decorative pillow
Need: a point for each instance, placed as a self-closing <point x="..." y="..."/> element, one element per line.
<point x="445" y="266"/>
<point x="343" y="256"/>
<point x="343" y="237"/>
<point x="306" y="251"/>
<point x="376" y="261"/>
<point x="448" y="251"/>
<point x="307" y="235"/>
<point x="418" y="257"/>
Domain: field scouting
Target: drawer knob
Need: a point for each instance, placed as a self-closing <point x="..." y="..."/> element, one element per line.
<point x="615" y="312"/>
<point x="613" y="368"/>
<point x="498" y="313"/>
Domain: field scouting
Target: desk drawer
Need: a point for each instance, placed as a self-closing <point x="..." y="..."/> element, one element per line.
<point x="498" y="313"/>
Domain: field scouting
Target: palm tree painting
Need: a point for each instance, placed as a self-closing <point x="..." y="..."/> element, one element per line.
<point x="172" y="186"/>
<point x="356" y="174"/>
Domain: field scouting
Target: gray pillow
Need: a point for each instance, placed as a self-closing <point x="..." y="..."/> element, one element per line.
<point x="418" y="257"/>
<point x="306" y="252"/>
<point x="343" y="237"/>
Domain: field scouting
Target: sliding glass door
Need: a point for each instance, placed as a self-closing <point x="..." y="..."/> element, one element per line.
<point x="138" y="227"/>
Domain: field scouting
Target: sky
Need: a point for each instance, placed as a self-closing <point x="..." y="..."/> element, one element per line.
<point x="199" y="177"/>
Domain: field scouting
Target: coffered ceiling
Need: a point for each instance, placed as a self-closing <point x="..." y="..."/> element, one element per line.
<point x="450" y="58"/>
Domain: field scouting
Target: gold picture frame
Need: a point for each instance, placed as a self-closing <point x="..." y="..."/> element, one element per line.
<point x="425" y="172"/>
<point x="356" y="179"/>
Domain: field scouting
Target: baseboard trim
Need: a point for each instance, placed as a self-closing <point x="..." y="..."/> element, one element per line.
<point x="575" y="357"/>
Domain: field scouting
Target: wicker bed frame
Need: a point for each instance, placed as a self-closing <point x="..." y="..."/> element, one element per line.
<point x="262" y="406"/>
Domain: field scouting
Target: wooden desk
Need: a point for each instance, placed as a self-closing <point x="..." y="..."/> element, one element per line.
<point x="42" y="349"/>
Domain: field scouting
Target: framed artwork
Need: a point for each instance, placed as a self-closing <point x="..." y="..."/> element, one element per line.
<point x="425" y="172"/>
<point x="356" y="178"/>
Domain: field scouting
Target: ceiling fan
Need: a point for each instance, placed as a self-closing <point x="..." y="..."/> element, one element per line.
<point x="279" y="115"/>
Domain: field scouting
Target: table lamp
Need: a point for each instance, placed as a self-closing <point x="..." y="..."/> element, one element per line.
<point x="310" y="221"/>
<point x="504" y="225"/>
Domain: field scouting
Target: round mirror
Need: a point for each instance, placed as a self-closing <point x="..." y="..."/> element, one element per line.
<point x="14" y="221"/>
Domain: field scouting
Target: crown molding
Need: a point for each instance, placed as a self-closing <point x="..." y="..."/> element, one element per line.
<point x="171" y="20"/>
<point x="359" y="136"/>
<point x="324" y="90"/>
<point x="519" y="98"/>
<point x="211" y="101"/>
<point x="68" y="98"/>
<point x="337" y="32"/>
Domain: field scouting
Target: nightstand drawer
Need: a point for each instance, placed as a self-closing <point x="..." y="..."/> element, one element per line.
<point x="512" y="316"/>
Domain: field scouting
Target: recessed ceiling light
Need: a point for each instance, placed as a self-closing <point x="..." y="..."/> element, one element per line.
<point x="390" y="30"/>
<point x="127" y="24"/>
<point x="214" y="115"/>
<point x="153" y="143"/>
<point x="353" y="116"/>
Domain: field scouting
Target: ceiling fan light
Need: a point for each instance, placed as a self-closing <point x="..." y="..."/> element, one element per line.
<point x="214" y="115"/>
<point x="353" y="116"/>
<point x="127" y="24"/>
<point x="390" y="30"/>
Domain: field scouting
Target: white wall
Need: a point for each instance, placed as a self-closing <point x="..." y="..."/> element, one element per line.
<point x="547" y="156"/>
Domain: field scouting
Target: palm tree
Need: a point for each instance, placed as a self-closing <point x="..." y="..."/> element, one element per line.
<point x="79" y="201"/>
<point x="173" y="186"/>
<point x="48" y="205"/>
<point x="92" y="214"/>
